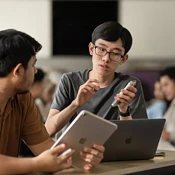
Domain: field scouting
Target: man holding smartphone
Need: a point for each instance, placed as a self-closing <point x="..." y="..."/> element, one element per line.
<point x="95" y="90"/>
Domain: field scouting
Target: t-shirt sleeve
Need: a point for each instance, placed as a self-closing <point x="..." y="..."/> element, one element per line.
<point x="62" y="97"/>
<point x="33" y="131"/>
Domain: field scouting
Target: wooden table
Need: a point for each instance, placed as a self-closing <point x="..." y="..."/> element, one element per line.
<point x="158" y="165"/>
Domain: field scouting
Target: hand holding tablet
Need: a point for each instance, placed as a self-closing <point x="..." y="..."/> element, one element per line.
<point x="84" y="131"/>
<point x="66" y="152"/>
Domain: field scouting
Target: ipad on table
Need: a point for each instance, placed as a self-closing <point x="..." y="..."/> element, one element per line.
<point x="85" y="130"/>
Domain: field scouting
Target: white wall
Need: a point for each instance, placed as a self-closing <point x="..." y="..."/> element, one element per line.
<point x="34" y="18"/>
<point x="30" y="16"/>
<point x="152" y="24"/>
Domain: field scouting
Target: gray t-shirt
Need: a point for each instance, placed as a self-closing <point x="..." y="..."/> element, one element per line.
<point x="103" y="98"/>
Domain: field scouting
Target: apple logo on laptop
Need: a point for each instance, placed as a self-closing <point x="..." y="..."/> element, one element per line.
<point x="128" y="140"/>
<point x="82" y="140"/>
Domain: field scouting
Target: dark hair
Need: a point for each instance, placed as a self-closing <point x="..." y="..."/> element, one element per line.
<point x="169" y="71"/>
<point x="16" y="47"/>
<point x="39" y="76"/>
<point x="112" y="31"/>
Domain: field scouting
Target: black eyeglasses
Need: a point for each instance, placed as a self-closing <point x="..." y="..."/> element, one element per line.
<point x="112" y="55"/>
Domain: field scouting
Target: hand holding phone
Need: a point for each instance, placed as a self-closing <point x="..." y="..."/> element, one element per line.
<point x="131" y="83"/>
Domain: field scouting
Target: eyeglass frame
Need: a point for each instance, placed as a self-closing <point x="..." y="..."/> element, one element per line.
<point x="108" y="53"/>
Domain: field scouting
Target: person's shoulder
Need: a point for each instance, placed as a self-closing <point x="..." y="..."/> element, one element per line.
<point x="23" y="98"/>
<point x="126" y="77"/>
<point x="159" y="104"/>
<point x="79" y="72"/>
<point x="22" y="101"/>
<point x="73" y="74"/>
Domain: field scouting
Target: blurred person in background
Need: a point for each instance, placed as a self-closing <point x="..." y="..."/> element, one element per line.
<point x="167" y="80"/>
<point x="44" y="101"/>
<point x="158" y="105"/>
<point x="38" y="84"/>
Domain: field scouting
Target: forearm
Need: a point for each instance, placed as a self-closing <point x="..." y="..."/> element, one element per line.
<point x="41" y="147"/>
<point x="11" y="165"/>
<point x="56" y="122"/>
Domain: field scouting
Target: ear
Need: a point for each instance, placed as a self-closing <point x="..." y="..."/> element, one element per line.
<point x="91" y="47"/>
<point x="124" y="59"/>
<point x="18" y="70"/>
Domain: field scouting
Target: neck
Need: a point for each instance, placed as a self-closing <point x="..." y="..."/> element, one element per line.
<point x="104" y="80"/>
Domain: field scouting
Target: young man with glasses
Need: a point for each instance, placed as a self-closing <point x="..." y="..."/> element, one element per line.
<point x="96" y="89"/>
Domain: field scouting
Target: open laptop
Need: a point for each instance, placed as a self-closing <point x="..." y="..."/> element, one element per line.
<point x="134" y="139"/>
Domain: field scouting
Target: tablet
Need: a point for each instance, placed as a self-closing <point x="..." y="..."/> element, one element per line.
<point x="85" y="130"/>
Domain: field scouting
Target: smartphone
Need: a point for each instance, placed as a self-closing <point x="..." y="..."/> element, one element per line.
<point x="133" y="83"/>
